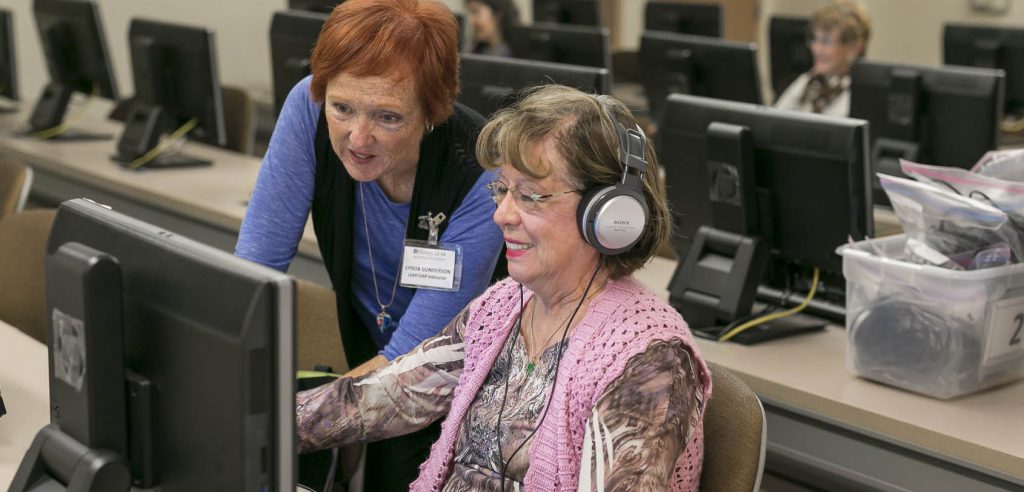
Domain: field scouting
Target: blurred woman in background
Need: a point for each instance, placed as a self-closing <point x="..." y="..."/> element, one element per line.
<point x="838" y="37"/>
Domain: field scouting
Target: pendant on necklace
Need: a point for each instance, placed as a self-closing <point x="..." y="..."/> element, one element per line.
<point x="383" y="320"/>
<point x="529" y="368"/>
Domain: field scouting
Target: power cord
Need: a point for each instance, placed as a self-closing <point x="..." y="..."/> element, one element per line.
<point x="774" y="316"/>
<point x="171" y="139"/>
<point x="71" y="120"/>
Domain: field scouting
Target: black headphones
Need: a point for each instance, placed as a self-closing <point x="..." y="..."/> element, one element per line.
<point x="612" y="218"/>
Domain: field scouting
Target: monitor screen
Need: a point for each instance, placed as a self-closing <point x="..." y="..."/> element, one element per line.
<point x="76" y="55"/>
<point x="580" y="12"/>
<point x="990" y="47"/>
<point x="683" y="64"/>
<point x="8" y="76"/>
<point x="318" y="6"/>
<point x="809" y="183"/>
<point x="489" y="83"/>
<point x="293" y="35"/>
<point x="918" y="113"/>
<point x="177" y="85"/>
<point x="573" y="45"/>
<point x="683" y="18"/>
<point x="207" y="363"/>
<point x="790" y="55"/>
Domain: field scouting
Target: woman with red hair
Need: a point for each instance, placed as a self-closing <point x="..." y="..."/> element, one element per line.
<point x="375" y="148"/>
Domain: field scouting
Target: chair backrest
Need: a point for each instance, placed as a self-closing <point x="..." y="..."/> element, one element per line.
<point x="735" y="436"/>
<point x="317" y="338"/>
<point x="15" y="182"/>
<point x="238" y="119"/>
<point x="22" y="253"/>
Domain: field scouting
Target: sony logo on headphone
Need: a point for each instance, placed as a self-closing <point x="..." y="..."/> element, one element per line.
<point x="621" y="222"/>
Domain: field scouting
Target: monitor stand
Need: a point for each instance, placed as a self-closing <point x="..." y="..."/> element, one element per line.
<point x="164" y="161"/>
<point x="141" y="134"/>
<point x="795" y="324"/>
<point x="72" y="135"/>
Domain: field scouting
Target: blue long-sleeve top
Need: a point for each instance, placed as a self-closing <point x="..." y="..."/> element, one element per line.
<point x="280" y="205"/>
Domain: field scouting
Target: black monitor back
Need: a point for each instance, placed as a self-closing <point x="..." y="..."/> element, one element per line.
<point x="489" y="83"/>
<point x="789" y="53"/>
<point x="318" y="6"/>
<point x="684" y="18"/>
<point x="580" y="12"/>
<point x="214" y="335"/>
<point x="293" y="35"/>
<point x="8" y="74"/>
<point x="74" y="46"/>
<point x="989" y="47"/>
<point x="175" y="67"/>
<point x="811" y="176"/>
<point x="573" y="45"/>
<point x="951" y="113"/>
<point x="701" y="66"/>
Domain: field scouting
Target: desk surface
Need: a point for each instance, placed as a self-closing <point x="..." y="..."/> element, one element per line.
<point x="809" y="373"/>
<point x="24" y="382"/>
<point x="806" y="373"/>
<point x="215" y="194"/>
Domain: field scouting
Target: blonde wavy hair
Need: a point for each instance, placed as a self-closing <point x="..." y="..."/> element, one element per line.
<point x="588" y="142"/>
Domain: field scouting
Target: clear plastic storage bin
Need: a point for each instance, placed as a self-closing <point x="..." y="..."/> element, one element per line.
<point x="927" y="329"/>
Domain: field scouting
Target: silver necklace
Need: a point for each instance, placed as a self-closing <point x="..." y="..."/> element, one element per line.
<point x="383" y="318"/>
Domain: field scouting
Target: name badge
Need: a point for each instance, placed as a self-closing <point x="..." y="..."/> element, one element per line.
<point x="431" y="267"/>
<point x="429" y="264"/>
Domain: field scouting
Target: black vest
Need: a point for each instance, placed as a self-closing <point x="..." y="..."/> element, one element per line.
<point x="446" y="172"/>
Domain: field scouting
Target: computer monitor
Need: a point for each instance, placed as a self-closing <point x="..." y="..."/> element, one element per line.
<point x="573" y="45"/>
<point x="490" y="83"/>
<point x="318" y="6"/>
<point x="798" y="181"/>
<point x="177" y="88"/>
<point x="174" y="357"/>
<point x="990" y="47"/>
<point x="293" y="35"/>
<point x="946" y="116"/>
<point x="673" y="63"/>
<point x="580" y="12"/>
<point x="684" y="18"/>
<point x="76" y="57"/>
<point x="8" y="75"/>
<point x="788" y="50"/>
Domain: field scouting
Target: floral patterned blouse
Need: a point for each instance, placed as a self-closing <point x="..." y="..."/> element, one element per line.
<point x="634" y="437"/>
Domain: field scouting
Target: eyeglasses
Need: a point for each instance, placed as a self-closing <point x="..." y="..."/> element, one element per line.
<point x="827" y="40"/>
<point x="526" y="197"/>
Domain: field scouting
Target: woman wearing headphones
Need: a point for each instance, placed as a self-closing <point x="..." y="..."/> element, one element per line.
<point x="570" y="373"/>
<point x="838" y="37"/>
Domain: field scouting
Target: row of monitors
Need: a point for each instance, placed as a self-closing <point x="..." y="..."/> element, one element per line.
<point x="174" y="69"/>
<point x="202" y="352"/>
<point x="702" y="20"/>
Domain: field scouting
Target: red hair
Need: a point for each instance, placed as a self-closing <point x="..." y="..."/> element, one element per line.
<point x="392" y="37"/>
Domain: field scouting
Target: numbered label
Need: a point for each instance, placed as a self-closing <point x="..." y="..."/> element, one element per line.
<point x="1005" y="329"/>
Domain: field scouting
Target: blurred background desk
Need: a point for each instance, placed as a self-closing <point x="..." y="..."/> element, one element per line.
<point x="204" y="203"/>
<point x="25" y="384"/>
<point x="839" y="432"/>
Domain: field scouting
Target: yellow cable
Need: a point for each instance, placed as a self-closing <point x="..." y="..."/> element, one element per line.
<point x="1012" y="126"/>
<point x="167" y="142"/>
<point x="71" y="120"/>
<point x="770" y="317"/>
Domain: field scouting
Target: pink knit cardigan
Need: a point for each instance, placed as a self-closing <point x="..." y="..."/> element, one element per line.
<point x="622" y="321"/>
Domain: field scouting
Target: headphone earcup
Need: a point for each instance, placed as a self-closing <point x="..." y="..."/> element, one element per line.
<point x="612" y="218"/>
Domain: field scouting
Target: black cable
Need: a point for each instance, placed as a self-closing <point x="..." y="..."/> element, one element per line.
<point x="558" y="362"/>
<point x="332" y="471"/>
<point x="504" y="396"/>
